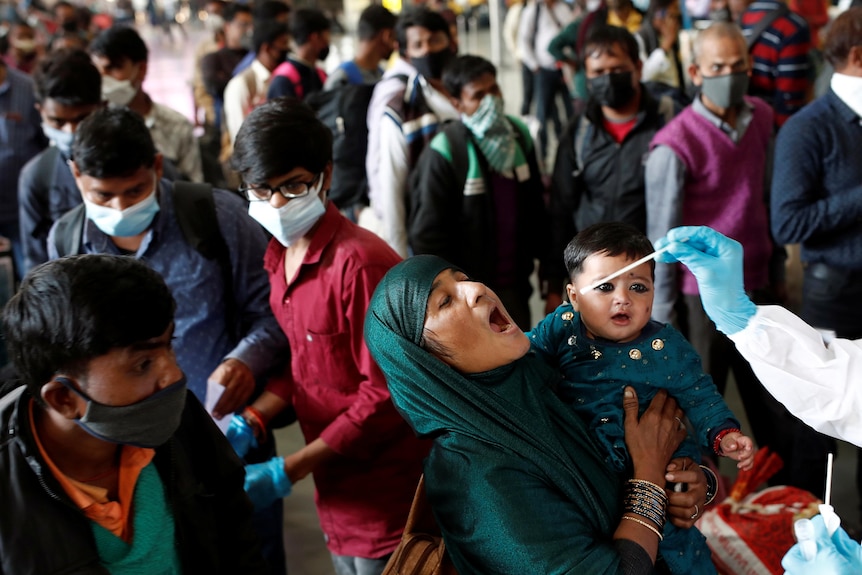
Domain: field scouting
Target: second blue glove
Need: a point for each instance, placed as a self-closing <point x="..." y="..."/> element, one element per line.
<point x="266" y="482"/>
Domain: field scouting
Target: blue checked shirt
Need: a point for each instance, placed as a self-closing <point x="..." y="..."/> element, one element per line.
<point x="202" y="335"/>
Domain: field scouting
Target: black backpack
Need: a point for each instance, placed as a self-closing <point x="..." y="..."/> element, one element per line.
<point x="344" y="110"/>
<point x="195" y="210"/>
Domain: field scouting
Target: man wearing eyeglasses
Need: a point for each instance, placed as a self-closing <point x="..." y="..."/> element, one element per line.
<point x="323" y="270"/>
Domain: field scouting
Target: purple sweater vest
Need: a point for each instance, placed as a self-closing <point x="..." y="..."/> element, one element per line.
<point x="724" y="185"/>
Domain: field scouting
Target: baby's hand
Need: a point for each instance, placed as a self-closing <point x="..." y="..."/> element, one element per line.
<point x="739" y="448"/>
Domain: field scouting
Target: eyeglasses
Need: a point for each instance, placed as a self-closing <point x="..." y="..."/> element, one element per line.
<point x="290" y="190"/>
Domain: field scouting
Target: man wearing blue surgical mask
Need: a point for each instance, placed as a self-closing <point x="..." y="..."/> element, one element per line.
<point x="67" y="87"/>
<point x="105" y="457"/>
<point x="121" y="56"/>
<point x="710" y="166"/>
<point x="476" y="193"/>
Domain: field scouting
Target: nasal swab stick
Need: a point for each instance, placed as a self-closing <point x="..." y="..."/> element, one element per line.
<point x="631" y="266"/>
<point x="828" y="495"/>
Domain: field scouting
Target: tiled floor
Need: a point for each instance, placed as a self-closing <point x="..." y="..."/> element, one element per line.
<point x="170" y="69"/>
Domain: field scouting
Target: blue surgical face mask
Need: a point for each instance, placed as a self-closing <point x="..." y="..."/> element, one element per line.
<point x="125" y="223"/>
<point x="294" y="219"/>
<point x="61" y="140"/>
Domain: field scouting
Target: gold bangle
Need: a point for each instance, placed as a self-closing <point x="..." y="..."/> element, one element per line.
<point x="645" y="524"/>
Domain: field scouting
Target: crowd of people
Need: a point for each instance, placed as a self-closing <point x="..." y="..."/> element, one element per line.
<point x="352" y="249"/>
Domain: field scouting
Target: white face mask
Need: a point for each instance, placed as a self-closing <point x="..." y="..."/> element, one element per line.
<point x="118" y="93"/>
<point x="849" y="90"/>
<point x="130" y="222"/>
<point x="294" y="219"/>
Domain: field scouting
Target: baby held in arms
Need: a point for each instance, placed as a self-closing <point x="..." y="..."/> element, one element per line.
<point x="604" y="341"/>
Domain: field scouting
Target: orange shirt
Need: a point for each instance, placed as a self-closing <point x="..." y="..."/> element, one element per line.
<point x="93" y="501"/>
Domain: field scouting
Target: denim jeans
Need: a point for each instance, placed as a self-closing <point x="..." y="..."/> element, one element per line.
<point x="550" y="84"/>
<point x="347" y="565"/>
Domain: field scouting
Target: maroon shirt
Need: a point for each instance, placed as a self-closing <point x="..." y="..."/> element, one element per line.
<point x="363" y="494"/>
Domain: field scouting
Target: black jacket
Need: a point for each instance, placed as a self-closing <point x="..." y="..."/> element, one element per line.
<point x="607" y="183"/>
<point x="447" y="220"/>
<point x="43" y="532"/>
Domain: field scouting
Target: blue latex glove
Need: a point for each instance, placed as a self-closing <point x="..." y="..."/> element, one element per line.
<point x="835" y="555"/>
<point x="241" y="435"/>
<point x="266" y="482"/>
<point x="716" y="262"/>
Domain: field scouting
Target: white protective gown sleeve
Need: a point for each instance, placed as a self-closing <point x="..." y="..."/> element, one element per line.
<point x="818" y="383"/>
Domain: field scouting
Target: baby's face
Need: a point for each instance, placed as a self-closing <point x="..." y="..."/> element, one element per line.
<point x="616" y="310"/>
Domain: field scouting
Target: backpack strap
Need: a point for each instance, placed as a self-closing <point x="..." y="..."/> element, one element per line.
<point x="457" y="134"/>
<point x="195" y="210"/>
<point x="354" y="74"/>
<point x="765" y="22"/>
<point x="69" y="231"/>
<point x="289" y="71"/>
<point x="322" y="74"/>
<point x="46" y="168"/>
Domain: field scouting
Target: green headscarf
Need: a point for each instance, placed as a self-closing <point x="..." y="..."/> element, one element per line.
<point x="512" y="407"/>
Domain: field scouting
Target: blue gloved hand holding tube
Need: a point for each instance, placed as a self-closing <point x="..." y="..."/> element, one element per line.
<point x="266" y="482"/>
<point x="240" y="435"/>
<point x="716" y="262"/>
<point x="819" y="553"/>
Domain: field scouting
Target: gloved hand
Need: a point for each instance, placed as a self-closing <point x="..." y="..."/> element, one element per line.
<point x="240" y="435"/>
<point x="266" y="482"/>
<point x="716" y="262"/>
<point x="835" y="555"/>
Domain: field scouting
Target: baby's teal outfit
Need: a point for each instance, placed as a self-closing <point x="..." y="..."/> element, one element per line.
<point x="595" y="374"/>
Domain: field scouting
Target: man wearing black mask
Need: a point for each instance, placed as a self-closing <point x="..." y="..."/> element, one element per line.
<point x="598" y="173"/>
<point x="408" y="106"/>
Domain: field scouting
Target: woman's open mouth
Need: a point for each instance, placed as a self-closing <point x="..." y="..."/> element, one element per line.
<point x="499" y="322"/>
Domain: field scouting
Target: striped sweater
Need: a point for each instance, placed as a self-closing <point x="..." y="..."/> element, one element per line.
<point x="780" y="69"/>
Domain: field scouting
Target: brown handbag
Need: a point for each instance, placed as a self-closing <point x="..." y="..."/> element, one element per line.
<point x="422" y="550"/>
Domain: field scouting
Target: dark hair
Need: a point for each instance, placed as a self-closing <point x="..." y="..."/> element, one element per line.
<point x="608" y="238"/>
<point x="65" y="35"/>
<point x="373" y="20"/>
<point x="655" y="7"/>
<point x="602" y="39"/>
<point x="428" y="342"/>
<point x="463" y="70"/>
<point x="279" y="136"/>
<point x="422" y="17"/>
<point x="844" y="33"/>
<point x="62" y="4"/>
<point x="113" y="143"/>
<point x="120" y="43"/>
<point x="232" y="9"/>
<point x="266" y="33"/>
<point x="72" y="310"/>
<point x="69" y="77"/>
<point x="307" y="21"/>
<point x="269" y="10"/>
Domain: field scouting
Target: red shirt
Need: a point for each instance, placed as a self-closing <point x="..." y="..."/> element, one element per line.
<point x="363" y="496"/>
<point x="619" y="130"/>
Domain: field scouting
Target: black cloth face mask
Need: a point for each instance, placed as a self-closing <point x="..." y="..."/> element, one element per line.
<point x="431" y="65"/>
<point x="613" y="90"/>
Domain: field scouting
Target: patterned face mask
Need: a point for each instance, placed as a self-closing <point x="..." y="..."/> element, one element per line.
<point x="495" y="136"/>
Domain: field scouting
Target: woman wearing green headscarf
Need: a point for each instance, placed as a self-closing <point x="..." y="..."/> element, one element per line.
<point x="513" y="479"/>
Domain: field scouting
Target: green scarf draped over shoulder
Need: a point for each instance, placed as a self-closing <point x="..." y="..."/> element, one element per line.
<point x="510" y="410"/>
